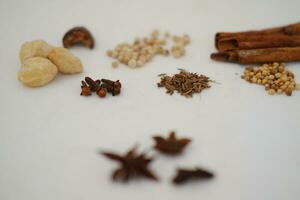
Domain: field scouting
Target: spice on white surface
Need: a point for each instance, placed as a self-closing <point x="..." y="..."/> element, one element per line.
<point x="141" y="51"/>
<point x="275" y="77"/>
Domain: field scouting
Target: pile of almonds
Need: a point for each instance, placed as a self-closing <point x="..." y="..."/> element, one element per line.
<point x="141" y="51"/>
<point x="41" y="62"/>
<point x="101" y="87"/>
<point x="274" y="77"/>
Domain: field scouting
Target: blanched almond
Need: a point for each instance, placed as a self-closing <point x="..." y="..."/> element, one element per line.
<point x="35" y="48"/>
<point x="37" y="71"/>
<point x="65" y="61"/>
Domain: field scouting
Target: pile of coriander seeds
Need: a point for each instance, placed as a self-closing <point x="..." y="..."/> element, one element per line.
<point x="273" y="76"/>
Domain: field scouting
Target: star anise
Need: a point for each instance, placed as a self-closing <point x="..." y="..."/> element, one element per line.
<point x="132" y="164"/>
<point x="170" y="145"/>
<point x="184" y="175"/>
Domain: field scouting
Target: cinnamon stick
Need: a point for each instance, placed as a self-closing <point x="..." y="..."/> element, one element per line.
<point x="292" y="29"/>
<point x="258" y="42"/>
<point x="251" y="56"/>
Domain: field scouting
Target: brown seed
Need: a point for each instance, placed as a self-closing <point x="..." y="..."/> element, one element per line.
<point x="273" y="76"/>
<point x="109" y="53"/>
<point x="288" y="92"/>
<point x="78" y="36"/>
<point x="271" y="92"/>
<point x="114" y="64"/>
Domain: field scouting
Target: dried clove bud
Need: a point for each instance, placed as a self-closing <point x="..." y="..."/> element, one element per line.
<point x="102" y="92"/>
<point x="116" y="91"/>
<point x="184" y="175"/>
<point x="113" y="86"/>
<point x="108" y="87"/>
<point x="98" y="82"/>
<point x="113" y="83"/>
<point x="94" y="85"/>
<point x="85" y="90"/>
<point x="78" y="35"/>
<point x="107" y="81"/>
<point x="117" y="84"/>
<point x="101" y="87"/>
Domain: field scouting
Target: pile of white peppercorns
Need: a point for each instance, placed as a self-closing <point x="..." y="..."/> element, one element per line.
<point x="274" y="76"/>
<point x="143" y="50"/>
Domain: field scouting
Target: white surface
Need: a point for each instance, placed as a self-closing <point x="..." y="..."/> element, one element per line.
<point x="49" y="136"/>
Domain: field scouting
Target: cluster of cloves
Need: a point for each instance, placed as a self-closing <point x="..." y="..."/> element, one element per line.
<point x="101" y="87"/>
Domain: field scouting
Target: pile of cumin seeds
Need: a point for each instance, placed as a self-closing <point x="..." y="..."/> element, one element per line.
<point x="186" y="83"/>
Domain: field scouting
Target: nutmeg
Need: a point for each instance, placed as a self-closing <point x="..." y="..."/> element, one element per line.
<point x="78" y="36"/>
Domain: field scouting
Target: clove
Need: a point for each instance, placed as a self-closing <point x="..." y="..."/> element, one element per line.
<point x="101" y="87"/>
<point x="85" y="89"/>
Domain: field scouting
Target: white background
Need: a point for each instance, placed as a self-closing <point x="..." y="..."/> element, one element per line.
<point x="50" y="136"/>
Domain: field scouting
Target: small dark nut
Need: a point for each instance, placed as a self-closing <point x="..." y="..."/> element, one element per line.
<point x="102" y="92"/>
<point x="78" y="36"/>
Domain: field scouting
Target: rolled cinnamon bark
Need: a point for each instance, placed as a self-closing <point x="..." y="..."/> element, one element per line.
<point x="284" y="54"/>
<point x="292" y="29"/>
<point x="258" y="42"/>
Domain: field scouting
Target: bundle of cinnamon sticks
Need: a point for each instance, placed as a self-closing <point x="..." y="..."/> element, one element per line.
<point x="280" y="44"/>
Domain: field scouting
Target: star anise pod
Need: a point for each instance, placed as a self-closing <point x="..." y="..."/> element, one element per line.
<point x="184" y="175"/>
<point x="170" y="145"/>
<point x="132" y="164"/>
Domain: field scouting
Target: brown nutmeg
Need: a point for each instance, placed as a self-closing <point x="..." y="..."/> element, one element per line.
<point x="78" y="36"/>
